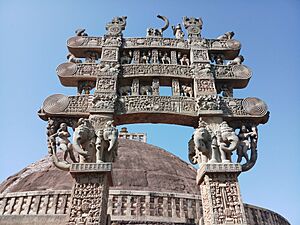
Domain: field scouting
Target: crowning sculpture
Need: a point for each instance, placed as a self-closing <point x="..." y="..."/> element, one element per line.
<point x="118" y="81"/>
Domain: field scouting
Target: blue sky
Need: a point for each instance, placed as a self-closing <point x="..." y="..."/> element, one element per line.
<point x="33" y="43"/>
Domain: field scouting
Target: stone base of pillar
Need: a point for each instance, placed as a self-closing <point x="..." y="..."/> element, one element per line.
<point x="220" y="193"/>
<point x="90" y="193"/>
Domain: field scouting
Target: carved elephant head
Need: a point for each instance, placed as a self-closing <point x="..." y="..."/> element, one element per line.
<point x="84" y="141"/>
<point x="228" y="140"/>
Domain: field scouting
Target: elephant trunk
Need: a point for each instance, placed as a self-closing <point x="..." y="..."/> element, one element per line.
<point x="77" y="145"/>
<point x="233" y="144"/>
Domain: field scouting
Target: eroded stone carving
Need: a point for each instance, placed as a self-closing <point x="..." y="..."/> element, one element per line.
<point x="107" y="143"/>
<point x="228" y="142"/>
<point x="227" y="36"/>
<point x="177" y="31"/>
<point x="237" y="61"/>
<point x="81" y="32"/>
<point x="84" y="139"/>
<point x="212" y="143"/>
<point x="208" y="102"/>
<point x="116" y="26"/>
<point x="154" y="32"/>
<point x="193" y="26"/>
<point x="85" y="86"/>
<point x="73" y="59"/>
<point x="248" y="141"/>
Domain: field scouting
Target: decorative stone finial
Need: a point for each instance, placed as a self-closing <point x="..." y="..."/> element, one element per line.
<point x="116" y="26"/>
<point x="193" y="26"/>
<point x="154" y="32"/>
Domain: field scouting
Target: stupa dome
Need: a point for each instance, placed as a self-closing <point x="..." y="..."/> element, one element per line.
<point x="139" y="166"/>
<point x="151" y="186"/>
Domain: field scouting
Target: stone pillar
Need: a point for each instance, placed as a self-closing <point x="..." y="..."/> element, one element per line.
<point x="90" y="193"/>
<point x="220" y="193"/>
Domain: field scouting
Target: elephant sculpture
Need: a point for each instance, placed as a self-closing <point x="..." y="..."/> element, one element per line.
<point x="200" y="145"/>
<point x="107" y="143"/>
<point x="146" y="90"/>
<point x="125" y="90"/>
<point x="186" y="90"/>
<point x="84" y="141"/>
<point x="228" y="141"/>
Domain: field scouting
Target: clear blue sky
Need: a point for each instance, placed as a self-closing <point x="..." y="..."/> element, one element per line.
<point x="33" y="42"/>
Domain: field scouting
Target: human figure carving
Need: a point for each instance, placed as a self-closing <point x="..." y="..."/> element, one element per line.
<point x="63" y="142"/>
<point x="184" y="60"/>
<point x="107" y="143"/>
<point x="237" y="61"/>
<point x="244" y="144"/>
<point x="145" y="59"/>
<point x="228" y="141"/>
<point x="227" y="36"/>
<point x="177" y="31"/>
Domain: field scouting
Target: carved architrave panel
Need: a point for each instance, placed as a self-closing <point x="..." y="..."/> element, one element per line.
<point x="161" y="70"/>
<point x="106" y="84"/>
<point x="199" y="55"/>
<point x="110" y="54"/>
<point x="104" y="102"/>
<point x="153" y="104"/>
<point x="204" y="87"/>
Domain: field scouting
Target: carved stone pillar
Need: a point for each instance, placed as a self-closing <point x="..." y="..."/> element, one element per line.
<point x="175" y="87"/>
<point x="173" y="57"/>
<point x="135" y="88"/>
<point x="136" y="57"/>
<point x="155" y="86"/>
<point x="90" y="193"/>
<point x="220" y="193"/>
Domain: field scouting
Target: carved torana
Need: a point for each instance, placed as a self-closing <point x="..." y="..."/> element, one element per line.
<point x="119" y="81"/>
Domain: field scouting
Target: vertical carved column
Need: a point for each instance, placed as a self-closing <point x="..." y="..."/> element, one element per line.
<point x="90" y="193"/>
<point x="136" y="57"/>
<point x="204" y="82"/>
<point x="220" y="193"/>
<point x="135" y="87"/>
<point x="155" y="86"/>
<point x="173" y="57"/>
<point x="175" y="87"/>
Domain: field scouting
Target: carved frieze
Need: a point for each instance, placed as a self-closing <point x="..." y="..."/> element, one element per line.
<point x="199" y="55"/>
<point x="109" y="54"/>
<point x="104" y="102"/>
<point x="204" y="87"/>
<point x="131" y="104"/>
<point x="85" y="41"/>
<point x="232" y="72"/>
<point x="155" y="42"/>
<point x="161" y="70"/>
<point x="106" y="84"/>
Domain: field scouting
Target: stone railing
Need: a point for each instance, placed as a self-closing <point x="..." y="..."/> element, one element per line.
<point x="126" y="207"/>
